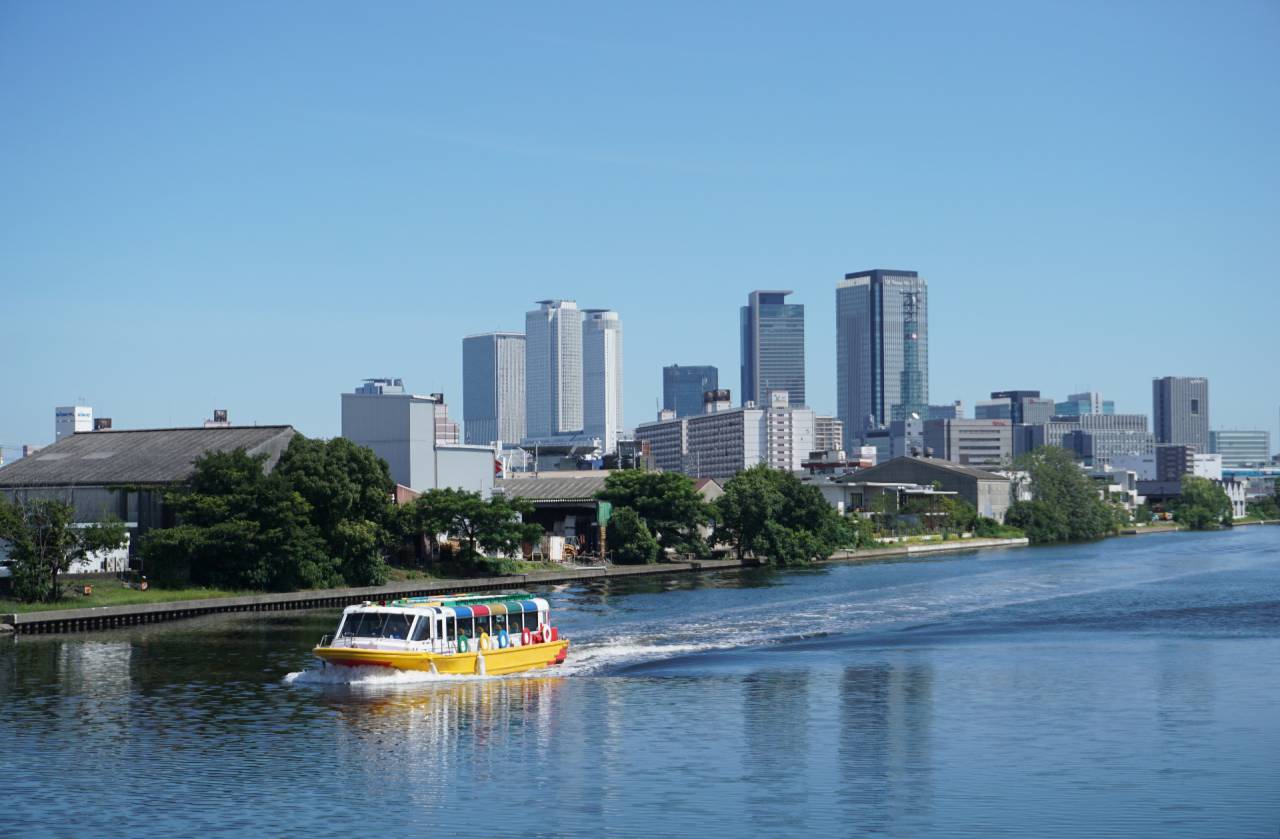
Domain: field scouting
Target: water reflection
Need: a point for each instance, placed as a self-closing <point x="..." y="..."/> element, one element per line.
<point x="776" y="726"/>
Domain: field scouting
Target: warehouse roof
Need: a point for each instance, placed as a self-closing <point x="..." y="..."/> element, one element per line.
<point x="152" y="456"/>
<point x="576" y="489"/>
<point x="890" y="466"/>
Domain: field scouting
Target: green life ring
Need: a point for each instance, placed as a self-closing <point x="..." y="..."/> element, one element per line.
<point x="463" y="644"/>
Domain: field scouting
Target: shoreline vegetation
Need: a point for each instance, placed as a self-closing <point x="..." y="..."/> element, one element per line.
<point x="324" y="518"/>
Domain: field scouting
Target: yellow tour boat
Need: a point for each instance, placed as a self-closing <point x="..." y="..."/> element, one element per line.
<point x="454" y="635"/>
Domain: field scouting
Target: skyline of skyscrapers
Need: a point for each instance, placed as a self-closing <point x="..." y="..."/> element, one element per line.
<point x="683" y="387"/>
<point x="882" y="349"/>
<point x="602" y="377"/>
<point x="493" y="387"/>
<point x="772" y="347"/>
<point x="553" y="368"/>
<point x="1180" y="411"/>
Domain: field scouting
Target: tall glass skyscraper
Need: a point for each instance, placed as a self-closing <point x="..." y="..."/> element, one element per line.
<point x="682" y="387"/>
<point x="602" y="376"/>
<point x="772" y="347"/>
<point x="882" y="349"/>
<point x="553" y="368"/>
<point x="493" y="388"/>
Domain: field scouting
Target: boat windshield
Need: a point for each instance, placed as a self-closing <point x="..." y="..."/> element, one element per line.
<point x="376" y="625"/>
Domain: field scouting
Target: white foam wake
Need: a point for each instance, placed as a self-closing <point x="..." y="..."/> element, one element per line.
<point x="337" y="674"/>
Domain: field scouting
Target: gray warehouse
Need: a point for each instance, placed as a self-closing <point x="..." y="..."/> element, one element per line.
<point x="125" y="473"/>
<point x="988" y="492"/>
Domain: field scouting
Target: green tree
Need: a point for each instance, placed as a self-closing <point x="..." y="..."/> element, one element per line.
<point x="630" y="541"/>
<point x="240" y="527"/>
<point x="348" y="489"/>
<point x="671" y="507"/>
<point x="44" y="541"/>
<point x="1064" y="504"/>
<point x="1202" y="504"/>
<point x="771" y="514"/>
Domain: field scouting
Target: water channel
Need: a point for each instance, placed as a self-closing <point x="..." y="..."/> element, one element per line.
<point x="1129" y="687"/>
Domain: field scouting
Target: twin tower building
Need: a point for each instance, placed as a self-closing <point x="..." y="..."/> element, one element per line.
<point x="561" y="378"/>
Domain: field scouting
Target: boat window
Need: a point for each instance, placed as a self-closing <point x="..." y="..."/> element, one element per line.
<point x="499" y="623"/>
<point x="465" y="626"/>
<point x="362" y="625"/>
<point x="482" y="625"/>
<point x="422" y="632"/>
<point x="397" y="627"/>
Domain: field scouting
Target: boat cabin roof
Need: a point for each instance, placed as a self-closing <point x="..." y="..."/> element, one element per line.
<point x="462" y="606"/>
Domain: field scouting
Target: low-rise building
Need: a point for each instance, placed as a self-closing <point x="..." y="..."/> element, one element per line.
<point x="989" y="493"/>
<point x="1240" y="448"/>
<point x="724" y="440"/>
<point x="974" y="442"/>
<point x="124" y="474"/>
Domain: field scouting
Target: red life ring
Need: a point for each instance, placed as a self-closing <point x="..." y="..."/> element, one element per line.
<point x="526" y="637"/>
<point x="553" y="634"/>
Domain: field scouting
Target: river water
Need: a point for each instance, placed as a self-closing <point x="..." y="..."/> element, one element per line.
<point x="1129" y="687"/>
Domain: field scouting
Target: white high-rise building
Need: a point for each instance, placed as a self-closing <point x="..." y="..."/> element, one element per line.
<point x="493" y="387"/>
<point x="71" y="419"/>
<point x="602" y="376"/>
<point x="553" y="368"/>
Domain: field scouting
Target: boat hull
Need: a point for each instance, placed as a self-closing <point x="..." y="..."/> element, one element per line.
<point x="495" y="662"/>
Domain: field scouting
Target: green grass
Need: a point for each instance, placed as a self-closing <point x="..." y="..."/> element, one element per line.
<point x="113" y="593"/>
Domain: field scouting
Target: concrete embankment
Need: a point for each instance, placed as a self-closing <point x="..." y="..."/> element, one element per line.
<point x="107" y="617"/>
<point x="914" y="548"/>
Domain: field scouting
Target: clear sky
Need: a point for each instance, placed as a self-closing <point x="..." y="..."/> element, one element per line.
<point x="253" y="206"/>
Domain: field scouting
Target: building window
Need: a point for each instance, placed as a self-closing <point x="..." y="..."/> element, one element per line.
<point x="1195" y="406"/>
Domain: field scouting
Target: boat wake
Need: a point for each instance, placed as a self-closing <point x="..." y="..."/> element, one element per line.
<point x="376" y="677"/>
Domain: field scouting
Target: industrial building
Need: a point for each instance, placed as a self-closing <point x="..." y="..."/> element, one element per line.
<point x="988" y="492"/>
<point x="413" y="434"/>
<point x="124" y="474"/>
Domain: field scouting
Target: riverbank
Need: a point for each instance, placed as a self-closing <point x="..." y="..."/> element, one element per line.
<point x="109" y="617"/>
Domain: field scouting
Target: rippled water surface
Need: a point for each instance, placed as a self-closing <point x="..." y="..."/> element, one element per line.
<point x="1125" y="688"/>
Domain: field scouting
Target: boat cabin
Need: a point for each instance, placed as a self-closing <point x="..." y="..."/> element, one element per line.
<point x="443" y="625"/>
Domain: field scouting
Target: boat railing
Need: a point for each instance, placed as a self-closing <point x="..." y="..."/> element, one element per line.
<point x="325" y="641"/>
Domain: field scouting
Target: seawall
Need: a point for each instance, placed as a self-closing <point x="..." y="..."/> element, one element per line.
<point x="109" y="617"/>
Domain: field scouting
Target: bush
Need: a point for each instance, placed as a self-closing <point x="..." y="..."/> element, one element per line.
<point x="630" y="541"/>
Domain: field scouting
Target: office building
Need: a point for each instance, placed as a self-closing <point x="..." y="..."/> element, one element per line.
<point x="970" y="442"/>
<point x="71" y="419"/>
<point x="1021" y="407"/>
<point x="723" y="441"/>
<point x="1241" y="448"/>
<point x="553" y="369"/>
<point x="1078" y="404"/>
<point x="682" y="387"/>
<point x="493" y="388"/>
<point x="1180" y="411"/>
<point x="602" y="377"/>
<point x="828" y="434"/>
<point x="953" y="411"/>
<point x="882" y="349"/>
<point x="1100" y="447"/>
<point x="772" y="347"/>
<point x="414" y="436"/>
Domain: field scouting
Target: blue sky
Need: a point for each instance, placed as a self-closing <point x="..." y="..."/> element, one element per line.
<point x="253" y="206"/>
